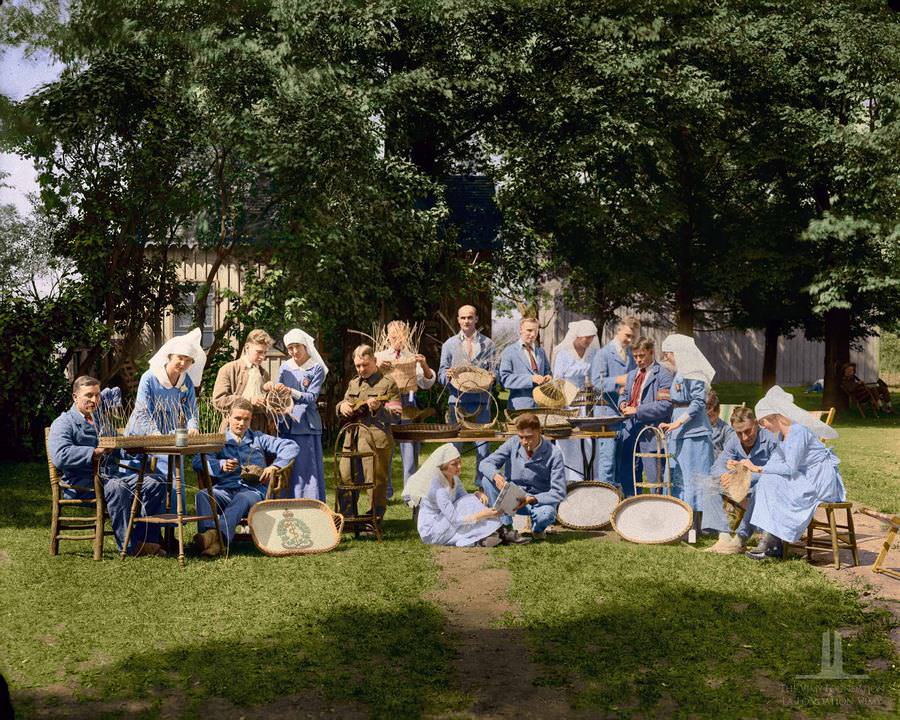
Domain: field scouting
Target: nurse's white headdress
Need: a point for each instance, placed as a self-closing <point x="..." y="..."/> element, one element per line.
<point x="419" y="483"/>
<point x="689" y="361"/>
<point x="779" y="402"/>
<point x="579" y="328"/>
<point x="182" y="345"/>
<point x="297" y="336"/>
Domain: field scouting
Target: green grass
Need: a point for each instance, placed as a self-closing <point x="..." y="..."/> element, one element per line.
<point x="623" y="629"/>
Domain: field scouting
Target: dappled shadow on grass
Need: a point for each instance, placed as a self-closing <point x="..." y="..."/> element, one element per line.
<point x="672" y="631"/>
<point x="25" y="494"/>
<point x="393" y="662"/>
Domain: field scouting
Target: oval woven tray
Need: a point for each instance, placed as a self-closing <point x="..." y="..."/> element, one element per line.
<point x="425" y="431"/>
<point x="151" y="441"/>
<point x="294" y="527"/>
<point x="588" y="505"/>
<point x="652" y="519"/>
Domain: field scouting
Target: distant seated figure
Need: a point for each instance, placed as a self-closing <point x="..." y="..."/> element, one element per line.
<point x="448" y="515"/>
<point x="535" y="465"/>
<point x="876" y="393"/>
<point x="73" y="444"/>
<point x="800" y="474"/>
<point x="234" y="490"/>
<point x="722" y="431"/>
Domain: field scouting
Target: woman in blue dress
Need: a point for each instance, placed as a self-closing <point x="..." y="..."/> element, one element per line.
<point x="572" y="362"/>
<point x="448" y="515"/>
<point x="689" y="432"/>
<point x="304" y="374"/>
<point x="801" y="473"/>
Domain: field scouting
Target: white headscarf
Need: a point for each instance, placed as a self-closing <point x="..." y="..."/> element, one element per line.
<point x="779" y="402"/>
<point x="419" y="483"/>
<point x="689" y="361"/>
<point x="182" y="345"/>
<point x="577" y="329"/>
<point x="298" y="336"/>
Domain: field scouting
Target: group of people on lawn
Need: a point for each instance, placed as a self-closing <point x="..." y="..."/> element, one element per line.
<point x="778" y="442"/>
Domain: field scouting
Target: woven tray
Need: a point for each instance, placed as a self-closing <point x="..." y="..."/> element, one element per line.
<point x="588" y="505"/>
<point x="425" y="431"/>
<point x="652" y="519"/>
<point x="594" y="424"/>
<point x="294" y="527"/>
<point x="469" y="378"/>
<point x="151" y="441"/>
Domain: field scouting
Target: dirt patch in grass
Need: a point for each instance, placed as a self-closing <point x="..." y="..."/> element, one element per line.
<point x="492" y="664"/>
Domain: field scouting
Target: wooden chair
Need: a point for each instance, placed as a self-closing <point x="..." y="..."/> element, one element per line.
<point x="835" y="534"/>
<point x="893" y="522"/>
<point x="275" y="489"/>
<point x="91" y="527"/>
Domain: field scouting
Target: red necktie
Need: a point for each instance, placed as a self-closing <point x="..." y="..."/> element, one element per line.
<point x="398" y="354"/>
<point x="636" y="389"/>
<point x="531" y="357"/>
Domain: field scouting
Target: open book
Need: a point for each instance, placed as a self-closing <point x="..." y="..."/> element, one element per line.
<point x="509" y="498"/>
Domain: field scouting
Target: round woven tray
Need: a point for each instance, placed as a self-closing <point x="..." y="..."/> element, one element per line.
<point x="469" y="377"/>
<point x="425" y="431"/>
<point x="588" y="505"/>
<point x="652" y="519"/>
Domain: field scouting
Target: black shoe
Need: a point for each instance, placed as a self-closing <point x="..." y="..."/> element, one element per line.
<point x="509" y="536"/>
<point x="492" y="540"/>
<point x="769" y="547"/>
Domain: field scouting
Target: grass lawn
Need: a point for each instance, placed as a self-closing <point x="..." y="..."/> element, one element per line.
<point x="617" y="628"/>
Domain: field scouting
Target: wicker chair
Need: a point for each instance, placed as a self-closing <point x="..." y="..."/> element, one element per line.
<point x="86" y="527"/>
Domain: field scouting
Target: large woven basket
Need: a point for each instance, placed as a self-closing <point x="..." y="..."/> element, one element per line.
<point x="588" y="505"/>
<point x="294" y="527"/>
<point x="652" y="519"/>
<point x="556" y="393"/>
<point x="469" y="378"/>
<point x="404" y="374"/>
<point x="425" y="431"/>
<point x="126" y="442"/>
<point x="739" y="484"/>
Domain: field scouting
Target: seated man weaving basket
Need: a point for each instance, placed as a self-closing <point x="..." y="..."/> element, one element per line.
<point x="536" y="465"/>
<point x="239" y="474"/>
<point x="73" y="450"/>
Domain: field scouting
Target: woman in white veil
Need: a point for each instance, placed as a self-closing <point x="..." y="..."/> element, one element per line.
<point x="799" y="475"/>
<point x="448" y="515"/>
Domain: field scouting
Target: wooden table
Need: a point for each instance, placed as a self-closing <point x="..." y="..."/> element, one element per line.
<point x="174" y="482"/>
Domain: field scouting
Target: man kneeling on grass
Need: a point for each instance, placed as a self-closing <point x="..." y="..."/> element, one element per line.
<point x="535" y="465"/>
<point x="239" y="474"/>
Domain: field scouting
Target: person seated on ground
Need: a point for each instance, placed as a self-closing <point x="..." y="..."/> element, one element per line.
<point x="876" y="393"/>
<point x="74" y="450"/>
<point x="524" y="366"/>
<point x="239" y="474"/>
<point x="800" y="474"/>
<point x="367" y="400"/>
<point x="448" y="515"/>
<point x="537" y="466"/>
<point x="721" y="430"/>
<point x="748" y="441"/>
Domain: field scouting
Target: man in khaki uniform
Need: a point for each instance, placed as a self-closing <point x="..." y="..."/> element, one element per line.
<point x="246" y="378"/>
<point x="372" y="399"/>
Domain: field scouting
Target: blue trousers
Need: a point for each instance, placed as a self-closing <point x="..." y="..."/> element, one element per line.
<point x="542" y="516"/>
<point x="482" y="412"/>
<point x="234" y="504"/>
<point x="119" y="492"/>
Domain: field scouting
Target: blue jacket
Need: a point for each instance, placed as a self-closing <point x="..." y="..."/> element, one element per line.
<point x="606" y="366"/>
<point x="759" y="454"/>
<point x="305" y="387"/>
<point x="515" y="373"/>
<point x="453" y="354"/>
<point x="542" y="475"/>
<point x="251" y="450"/>
<point x="72" y="442"/>
<point x="689" y="398"/>
<point x="653" y="408"/>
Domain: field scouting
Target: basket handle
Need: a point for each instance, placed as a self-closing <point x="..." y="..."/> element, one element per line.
<point x="338" y="521"/>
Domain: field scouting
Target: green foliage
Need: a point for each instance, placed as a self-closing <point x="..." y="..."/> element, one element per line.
<point x="889" y="357"/>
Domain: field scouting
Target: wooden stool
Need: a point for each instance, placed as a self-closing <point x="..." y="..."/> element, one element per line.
<point x="893" y="522"/>
<point x="835" y="538"/>
<point x="347" y="491"/>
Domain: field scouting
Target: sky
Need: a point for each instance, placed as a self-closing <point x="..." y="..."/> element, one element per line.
<point x="19" y="76"/>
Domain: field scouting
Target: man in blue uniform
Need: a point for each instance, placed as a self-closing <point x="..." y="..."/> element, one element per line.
<point x="524" y="366"/>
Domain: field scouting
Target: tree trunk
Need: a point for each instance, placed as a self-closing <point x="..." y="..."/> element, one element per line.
<point x="837" y="352"/>
<point x="770" y="354"/>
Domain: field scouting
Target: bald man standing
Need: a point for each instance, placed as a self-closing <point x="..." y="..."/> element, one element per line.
<point x="468" y="347"/>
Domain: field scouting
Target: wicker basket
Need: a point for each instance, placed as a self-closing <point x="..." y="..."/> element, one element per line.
<point x="554" y="394"/>
<point x="294" y="527"/>
<point x="469" y="378"/>
<point x="126" y="442"/>
<point x="404" y="374"/>
<point x="425" y="431"/>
